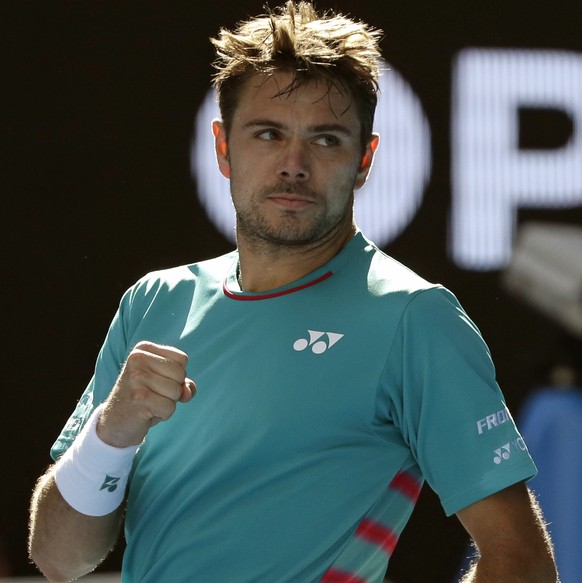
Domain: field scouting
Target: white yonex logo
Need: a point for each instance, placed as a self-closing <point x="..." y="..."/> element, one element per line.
<point x="319" y="341"/>
<point x="504" y="452"/>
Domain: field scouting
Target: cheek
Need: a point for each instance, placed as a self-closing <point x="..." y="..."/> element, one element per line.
<point x="244" y="181"/>
<point x="344" y="177"/>
<point x="241" y="180"/>
<point x="244" y="165"/>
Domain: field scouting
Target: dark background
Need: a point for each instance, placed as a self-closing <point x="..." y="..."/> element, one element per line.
<point x="99" y="100"/>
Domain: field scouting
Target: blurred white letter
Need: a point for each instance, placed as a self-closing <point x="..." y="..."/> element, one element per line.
<point x="491" y="177"/>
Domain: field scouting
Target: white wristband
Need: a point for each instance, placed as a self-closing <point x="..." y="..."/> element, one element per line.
<point x="92" y="475"/>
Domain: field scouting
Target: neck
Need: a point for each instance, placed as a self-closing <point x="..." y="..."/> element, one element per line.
<point x="265" y="265"/>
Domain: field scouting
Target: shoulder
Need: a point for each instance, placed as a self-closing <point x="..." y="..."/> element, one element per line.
<point x="383" y="287"/>
<point x="429" y="314"/>
<point x="384" y="274"/>
<point x="184" y="276"/>
<point x="388" y="277"/>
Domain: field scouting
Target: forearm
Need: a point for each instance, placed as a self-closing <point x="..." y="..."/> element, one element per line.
<point x="64" y="543"/>
<point x="511" y="538"/>
<point x="501" y="569"/>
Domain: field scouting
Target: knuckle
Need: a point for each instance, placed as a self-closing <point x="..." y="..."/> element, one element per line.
<point x="134" y="377"/>
<point x="143" y="345"/>
<point x="140" y="394"/>
<point x="135" y="359"/>
<point x="179" y="357"/>
<point x="173" y="390"/>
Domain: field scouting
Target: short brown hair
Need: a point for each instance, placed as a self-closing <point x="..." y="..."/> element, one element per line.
<point x="342" y="52"/>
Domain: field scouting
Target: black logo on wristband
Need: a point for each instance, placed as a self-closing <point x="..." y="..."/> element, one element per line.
<point x="110" y="483"/>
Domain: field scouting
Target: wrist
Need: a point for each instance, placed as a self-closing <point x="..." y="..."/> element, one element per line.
<point x="92" y="475"/>
<point x="116" y="439"/>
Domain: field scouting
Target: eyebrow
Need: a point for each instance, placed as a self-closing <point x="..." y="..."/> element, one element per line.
<point x="314" y="129"/>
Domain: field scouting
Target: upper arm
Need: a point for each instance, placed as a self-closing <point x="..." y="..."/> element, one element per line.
<point x="508" y="529"/>
<point x="445" y="400"/>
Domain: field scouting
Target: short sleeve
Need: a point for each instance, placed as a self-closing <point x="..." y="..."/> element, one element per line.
<point x="445" y="399"/>
<point x="108" y="366"/>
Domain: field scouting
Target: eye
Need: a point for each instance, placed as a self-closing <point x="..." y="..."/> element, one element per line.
<point x="267" y="135"/>
<point x="327" y="141"/>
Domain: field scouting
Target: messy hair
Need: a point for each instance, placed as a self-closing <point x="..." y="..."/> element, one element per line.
<point x="312" y="46"/>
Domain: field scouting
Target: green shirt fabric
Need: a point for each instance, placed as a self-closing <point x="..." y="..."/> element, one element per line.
<point x="321" y="408"/>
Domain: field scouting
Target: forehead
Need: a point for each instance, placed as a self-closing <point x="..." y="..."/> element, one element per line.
<point x="312" y="99"/>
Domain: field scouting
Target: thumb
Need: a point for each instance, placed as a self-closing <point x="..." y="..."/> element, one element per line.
<point x="188" y="391"/>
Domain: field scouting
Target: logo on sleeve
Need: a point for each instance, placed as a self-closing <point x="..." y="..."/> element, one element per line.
<point x="110" y="483"/>
<point x="494" y="420"/>
<point x="504" y="452"/>
<point x="318" y="341"/>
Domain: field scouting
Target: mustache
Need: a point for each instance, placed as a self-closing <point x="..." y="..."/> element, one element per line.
<point x="289" y="188"/>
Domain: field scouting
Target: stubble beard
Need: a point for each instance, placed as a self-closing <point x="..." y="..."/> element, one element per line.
<point x="291" y="229"/>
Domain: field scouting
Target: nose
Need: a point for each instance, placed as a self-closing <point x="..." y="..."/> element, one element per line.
<point x="294" y="163"/>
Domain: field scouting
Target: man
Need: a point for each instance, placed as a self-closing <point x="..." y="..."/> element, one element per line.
<point x="330" y="380"/>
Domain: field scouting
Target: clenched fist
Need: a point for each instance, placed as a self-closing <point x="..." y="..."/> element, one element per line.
<point x="152" y="382"/>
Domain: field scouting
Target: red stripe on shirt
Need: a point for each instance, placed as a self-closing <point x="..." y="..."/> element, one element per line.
<point x="406" y="484"/>
<point x="377" y="534"/>
<point x="269" y="296"/>
<point x="333" y="575"/>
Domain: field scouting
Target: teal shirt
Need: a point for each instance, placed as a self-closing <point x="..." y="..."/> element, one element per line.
<point x="321" y="409"/>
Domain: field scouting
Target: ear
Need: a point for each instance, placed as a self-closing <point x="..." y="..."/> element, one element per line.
<point x="221" y="148"/>
<point x="367" y="159"/>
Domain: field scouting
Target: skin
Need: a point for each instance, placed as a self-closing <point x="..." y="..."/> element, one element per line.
<point x="510" y="535"/>
<point x="66" y="544"/>
<point x="294" y="163"/>
<point x="295" y="209"/>
<point x="151" y="384"/>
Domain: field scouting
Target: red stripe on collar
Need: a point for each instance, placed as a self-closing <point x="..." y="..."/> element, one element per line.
<point x="291" y="290"/>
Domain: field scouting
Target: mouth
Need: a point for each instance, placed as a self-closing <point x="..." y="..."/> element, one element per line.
<point x="290" y="201"/>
